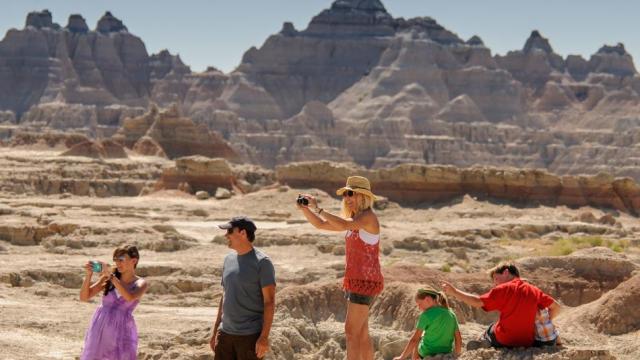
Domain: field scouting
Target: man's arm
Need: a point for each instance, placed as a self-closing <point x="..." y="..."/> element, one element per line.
<point x="465" y="297"/>
<point x="214" y="335"/>
<point x="269" y="295"/>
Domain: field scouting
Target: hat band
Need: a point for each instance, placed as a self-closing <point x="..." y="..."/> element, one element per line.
<point x="359" y="187"/>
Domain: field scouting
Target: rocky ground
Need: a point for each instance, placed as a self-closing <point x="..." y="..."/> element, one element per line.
<point x="586" y="257"/>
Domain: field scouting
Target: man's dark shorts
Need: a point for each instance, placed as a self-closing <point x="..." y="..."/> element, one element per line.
<point x="490" y="336"/>
<point x="236" y="347"/>
<point x="538" y="343"/>
<point x="358" y="298"/>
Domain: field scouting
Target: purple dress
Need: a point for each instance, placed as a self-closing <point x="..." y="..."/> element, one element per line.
<point x="112" y="333"/>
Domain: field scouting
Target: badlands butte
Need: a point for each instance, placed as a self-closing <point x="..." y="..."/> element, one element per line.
<point x="479" y="157"/>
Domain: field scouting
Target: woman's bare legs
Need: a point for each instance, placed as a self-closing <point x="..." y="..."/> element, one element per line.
<point x="357" y="332"/>
<point x="366" y="348"/>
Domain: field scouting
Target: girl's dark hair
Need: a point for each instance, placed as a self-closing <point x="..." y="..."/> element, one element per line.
<point x="438" y="296"/>
<point x="133" y="253"/>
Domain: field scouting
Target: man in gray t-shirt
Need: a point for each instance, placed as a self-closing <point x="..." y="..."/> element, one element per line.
<point x="245" y="314"/>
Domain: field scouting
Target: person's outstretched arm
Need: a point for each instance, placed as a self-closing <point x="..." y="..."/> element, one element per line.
<point x="317" y="221"/>
<point x="465" y="297"/>
<point x="411" y="346"/>
<point x="367" y="220"/>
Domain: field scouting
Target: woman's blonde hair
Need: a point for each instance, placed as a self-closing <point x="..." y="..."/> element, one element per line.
<point x="364" y="202"/>
<point x="438" y="296"/>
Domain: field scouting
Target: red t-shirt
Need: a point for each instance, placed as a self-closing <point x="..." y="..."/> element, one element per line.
<point x="518" y="302"/>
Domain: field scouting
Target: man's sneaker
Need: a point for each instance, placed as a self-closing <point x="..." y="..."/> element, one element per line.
<point x="478" y="344"/>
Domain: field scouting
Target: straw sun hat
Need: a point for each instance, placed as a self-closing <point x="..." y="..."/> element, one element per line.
<point x="357" y="184"/>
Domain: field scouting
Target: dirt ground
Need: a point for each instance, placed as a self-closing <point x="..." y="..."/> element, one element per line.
<point x="45" y="240"/>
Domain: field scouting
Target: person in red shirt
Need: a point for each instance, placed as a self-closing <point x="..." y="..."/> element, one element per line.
<point x="517" y="301"/>
<point x="363" y="279"/>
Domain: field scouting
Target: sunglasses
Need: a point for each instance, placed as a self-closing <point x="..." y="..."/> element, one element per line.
<point x="230" y="231"/>
<point x="348" y="193"/>
<point x="120" y="258"/>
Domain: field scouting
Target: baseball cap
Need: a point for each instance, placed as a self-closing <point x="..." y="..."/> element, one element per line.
<point x="240" y="222"/>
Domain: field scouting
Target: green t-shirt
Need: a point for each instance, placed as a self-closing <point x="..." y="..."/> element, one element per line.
<point x="439" y="325"/>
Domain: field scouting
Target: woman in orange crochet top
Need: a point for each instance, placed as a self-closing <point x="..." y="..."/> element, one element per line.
<point x="363" y="278"/>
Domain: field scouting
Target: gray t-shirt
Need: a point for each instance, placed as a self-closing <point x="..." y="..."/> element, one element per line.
<point x="243" y="278"/>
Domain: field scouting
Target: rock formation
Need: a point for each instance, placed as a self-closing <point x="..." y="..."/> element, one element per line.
<point x="175" y="136"/>
<point x="395" y="90"/>
<point x="85" y="70"/>
<point x="534" y="64"/>
<point x="615" y="313"/>
<point x="415" y="184"/>
<point x="7" y="117"/>
<point x="44" y="62"/>
<point x="49" y="139"/>
<point x="200" y="173"/>
<point x="147" y="146"/>
<point x="581" y="277"/>
<point x="106" y="149"/>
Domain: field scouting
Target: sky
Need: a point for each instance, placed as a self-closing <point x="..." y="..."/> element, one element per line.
<point x="217" y="33"/>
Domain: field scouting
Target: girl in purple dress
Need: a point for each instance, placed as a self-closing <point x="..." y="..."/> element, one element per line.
<point x="112" y="333"/>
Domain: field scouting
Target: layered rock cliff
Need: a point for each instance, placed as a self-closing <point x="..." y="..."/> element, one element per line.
<point x="356" y="85"/>
<point x="416" y="184"/>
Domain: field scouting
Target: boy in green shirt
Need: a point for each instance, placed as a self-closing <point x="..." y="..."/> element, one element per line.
<point x="439" y="325"/>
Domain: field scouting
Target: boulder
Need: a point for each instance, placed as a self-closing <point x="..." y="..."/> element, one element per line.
<point x="222" y="193"/>
<point x="199" y="173"/>
<point x="202" y="195"/>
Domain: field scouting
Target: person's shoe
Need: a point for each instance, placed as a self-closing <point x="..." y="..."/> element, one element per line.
<point x="478" y="344"/>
